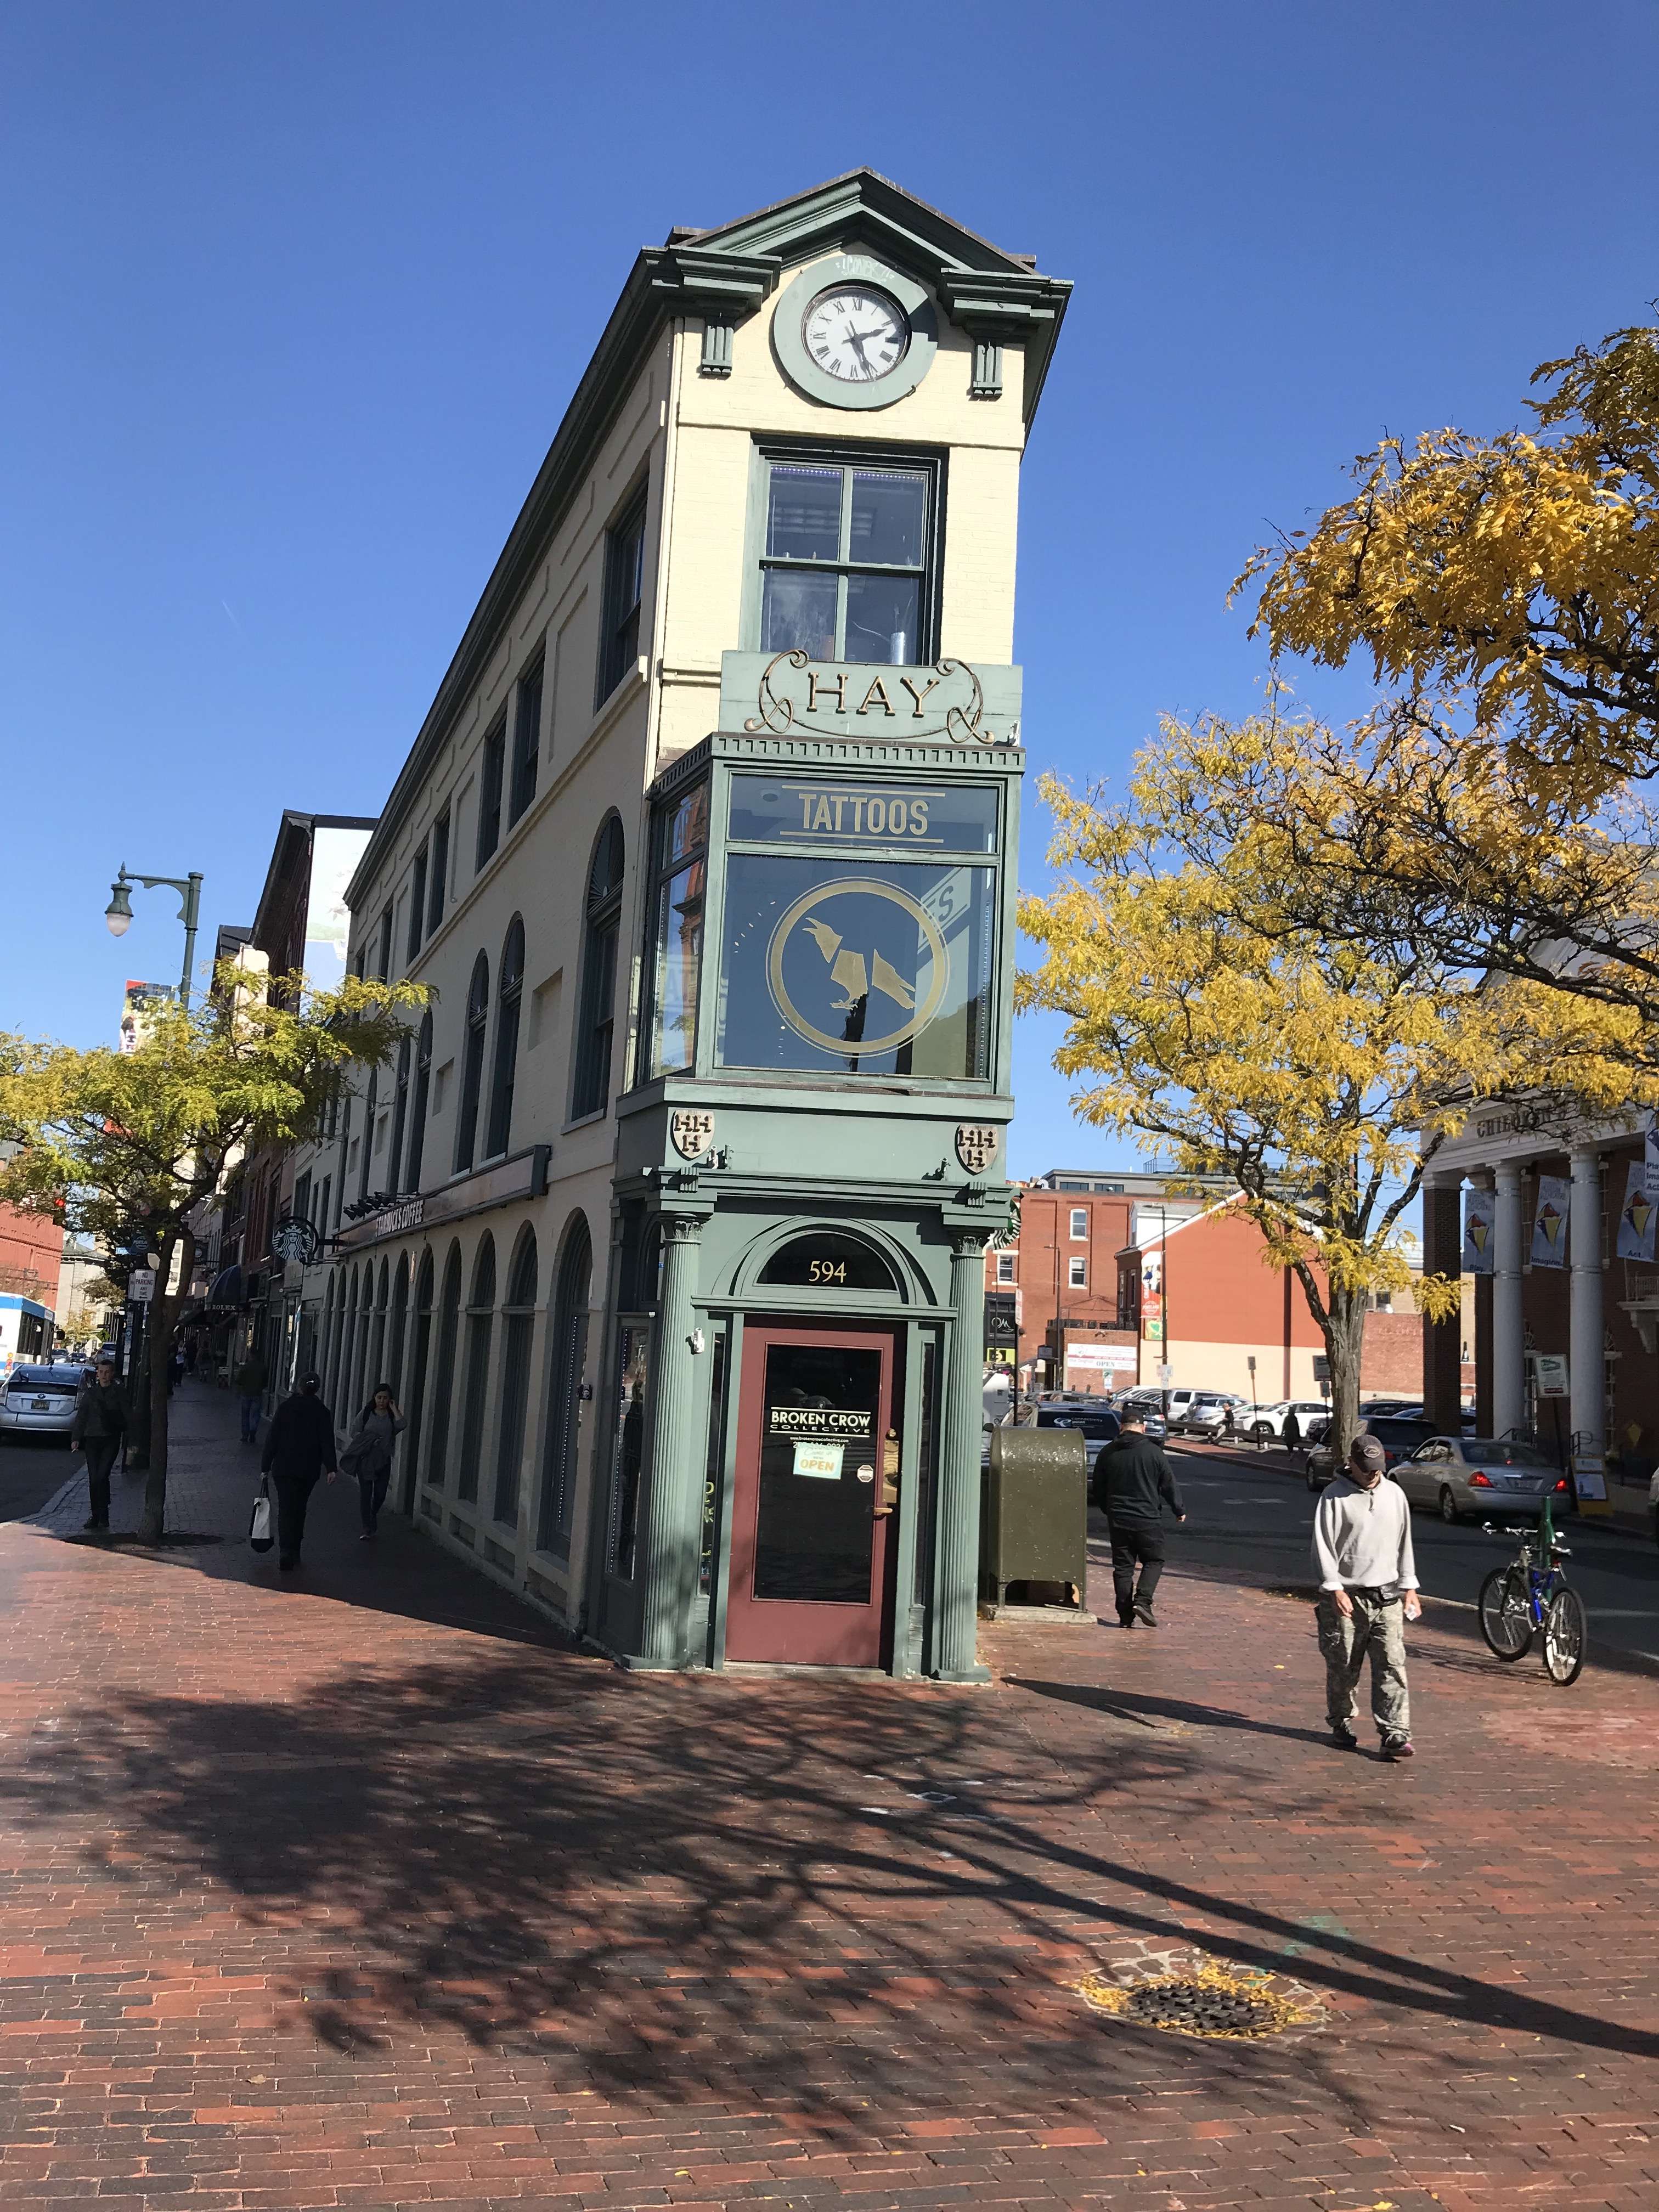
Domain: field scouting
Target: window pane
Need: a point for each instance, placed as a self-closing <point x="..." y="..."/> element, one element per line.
<point x="803" y="514"/>
<point x="686" y="826"/>
<point x="882" y="615"/>
<point x="882" y="972"/>
<point x="679" y="955"/>
<point x="890" y="511"/>
<point x="799" y="609"/>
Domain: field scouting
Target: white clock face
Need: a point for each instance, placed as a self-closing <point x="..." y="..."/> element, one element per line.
<point x="855" y="334"/>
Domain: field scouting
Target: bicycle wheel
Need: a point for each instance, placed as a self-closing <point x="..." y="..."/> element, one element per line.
<point x="1564" y="1637"/>
<point x="1505" y="1620"/>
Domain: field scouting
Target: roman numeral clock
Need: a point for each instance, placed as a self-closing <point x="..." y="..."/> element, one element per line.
<point x="853" y="332"/>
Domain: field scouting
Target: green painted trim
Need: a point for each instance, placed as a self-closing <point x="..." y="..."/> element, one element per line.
<point x="728" y="1492"/>
<point x="906" y="1659"/>
<point x="798" y="365"/>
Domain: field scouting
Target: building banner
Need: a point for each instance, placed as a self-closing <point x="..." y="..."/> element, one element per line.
<point x="1641" y="1208"/>
<point x="1651" y="1161"/>
<point x="1549" y="1228"/>
<point x="1480" y="1228"/>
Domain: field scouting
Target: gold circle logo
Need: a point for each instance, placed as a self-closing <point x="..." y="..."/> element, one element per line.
<point x="859" y="973"/>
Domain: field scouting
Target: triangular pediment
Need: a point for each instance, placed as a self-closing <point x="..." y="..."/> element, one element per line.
<point x="862" y="209"/>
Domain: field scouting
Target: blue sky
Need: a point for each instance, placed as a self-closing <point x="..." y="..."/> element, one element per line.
<point x="294" y="295"/>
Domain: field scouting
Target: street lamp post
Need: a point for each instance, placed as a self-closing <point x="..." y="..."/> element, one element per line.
<point x="119" y="913"/>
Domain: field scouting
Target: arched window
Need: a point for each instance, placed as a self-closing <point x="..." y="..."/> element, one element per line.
<point x="345" y="1159"/>
<point x="567" y="1363"/>
<point x="375" y="1369"/>
<point x="399" y="1117"/>
<point x="417" y="1118"/>
<point x="472" y="1059"/>
<point x="348" y="1345"/>
<point x="518" y="1329"/>
<point x="419" y="1354"/>
<point x="828" y="1261"/>
<point x="480" y="1328"/>
<point x="596" y="1018"/>
<point x="396" y="1329"/>
<point x="366" y="1165"/>
<point x="443" y="1382"/>
<point x="504" y="1073"/>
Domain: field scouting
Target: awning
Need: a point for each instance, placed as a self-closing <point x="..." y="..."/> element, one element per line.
<point x="226" y="1291"/>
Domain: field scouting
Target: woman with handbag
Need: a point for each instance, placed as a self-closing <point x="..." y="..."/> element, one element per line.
<point x="368" y="1453"/>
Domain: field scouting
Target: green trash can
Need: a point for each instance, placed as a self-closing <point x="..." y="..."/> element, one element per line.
<point x="1034" y="1524"/>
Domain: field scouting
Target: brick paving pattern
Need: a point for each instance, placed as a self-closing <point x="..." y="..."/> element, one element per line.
<point x="366" y="1892"/>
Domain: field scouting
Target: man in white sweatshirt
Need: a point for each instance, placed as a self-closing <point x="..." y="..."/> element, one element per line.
<point x="1362" y="1545"/>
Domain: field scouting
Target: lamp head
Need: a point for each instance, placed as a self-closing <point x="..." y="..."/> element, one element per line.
<point x="119" y="913"/>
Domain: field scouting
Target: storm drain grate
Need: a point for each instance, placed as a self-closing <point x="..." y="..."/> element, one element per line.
<point x="1200" y="2008"/>
<point x="1188" y="1994"/>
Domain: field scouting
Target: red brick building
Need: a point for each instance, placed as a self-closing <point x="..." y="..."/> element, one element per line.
<point x="1121" y="1276"/>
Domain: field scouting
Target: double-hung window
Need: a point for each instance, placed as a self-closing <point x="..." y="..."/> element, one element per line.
<point x="489" y="792"/>
<point x="1077" y="1276"/>
<point x="440" y="874"/>
<point x="848" y="558"/>
<point x="1079" y="1224"/>
<point x="526" y="741"/>
<point x="416" y="905"/>
<point x="625" y="588"/>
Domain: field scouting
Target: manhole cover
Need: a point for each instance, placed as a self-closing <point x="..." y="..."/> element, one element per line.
<point x="1200" y="2008"/>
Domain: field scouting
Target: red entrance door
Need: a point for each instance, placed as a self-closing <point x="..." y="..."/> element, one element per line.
<point x="811" y="1524"/>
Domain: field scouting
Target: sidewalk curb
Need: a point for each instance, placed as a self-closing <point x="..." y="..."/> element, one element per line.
<point x="43" y="1514"/>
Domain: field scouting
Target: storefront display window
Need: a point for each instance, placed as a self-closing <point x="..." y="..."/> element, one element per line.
<point x="681" y="873"/>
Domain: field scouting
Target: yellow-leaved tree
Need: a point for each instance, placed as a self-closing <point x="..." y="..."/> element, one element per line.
<point x="1319" y="1075"/>
<point x="1516" y="574"/>
<point x="131" y="1144"/>
<point x="1506" y="591"/>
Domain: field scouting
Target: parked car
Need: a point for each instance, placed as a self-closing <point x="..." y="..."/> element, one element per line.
<point x="1147" y="1404"/>
<point x="1211" y="1413"/>
<point x="1484" y="1476"/>
<point x="1293" y="1420"/>
<point x="40" y="1400"/>
<point x="1399" y="1439"/>
<point x="1098" y="1423"/>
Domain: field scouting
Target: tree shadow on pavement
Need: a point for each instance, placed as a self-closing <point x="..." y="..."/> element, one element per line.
<point x="1133" y="1704"/>
<point x="815" y="1897"/>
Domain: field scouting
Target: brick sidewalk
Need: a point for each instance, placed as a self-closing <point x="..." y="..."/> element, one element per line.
<point x="365" y="1893"/>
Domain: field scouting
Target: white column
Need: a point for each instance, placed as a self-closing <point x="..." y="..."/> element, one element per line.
<point x="1585" y="1338"/>
<point x="1508" y="1366"/>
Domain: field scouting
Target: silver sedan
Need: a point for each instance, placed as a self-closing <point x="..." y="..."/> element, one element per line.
<point x="40" y="1401"/>
<point x="1480" y="1477"/>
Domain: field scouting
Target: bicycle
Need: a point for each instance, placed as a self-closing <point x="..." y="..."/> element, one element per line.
<point x="1530" y="1593"/>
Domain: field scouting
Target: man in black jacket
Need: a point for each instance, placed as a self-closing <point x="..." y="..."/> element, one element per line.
<point x="1133" y="1484"/>
<point x="299" y="1447"/>
<point x="99" y="1421"/>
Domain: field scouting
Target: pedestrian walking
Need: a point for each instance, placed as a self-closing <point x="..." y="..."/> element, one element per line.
<point x="1132" y="1485"/>
<point x="1362" y="1545"/>
<point x="368" y="1453"/>
<point x="251" y="1379"/>
<point x="299" y="1447"/>
<point x="98" y="1425"/>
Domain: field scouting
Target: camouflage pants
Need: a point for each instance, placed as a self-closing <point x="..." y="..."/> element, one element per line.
<point x="1375" y="1630"/>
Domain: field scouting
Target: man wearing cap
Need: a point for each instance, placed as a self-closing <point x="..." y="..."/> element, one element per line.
<point x="1362" y="1545"/>
<point x="299" y="1447"/>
